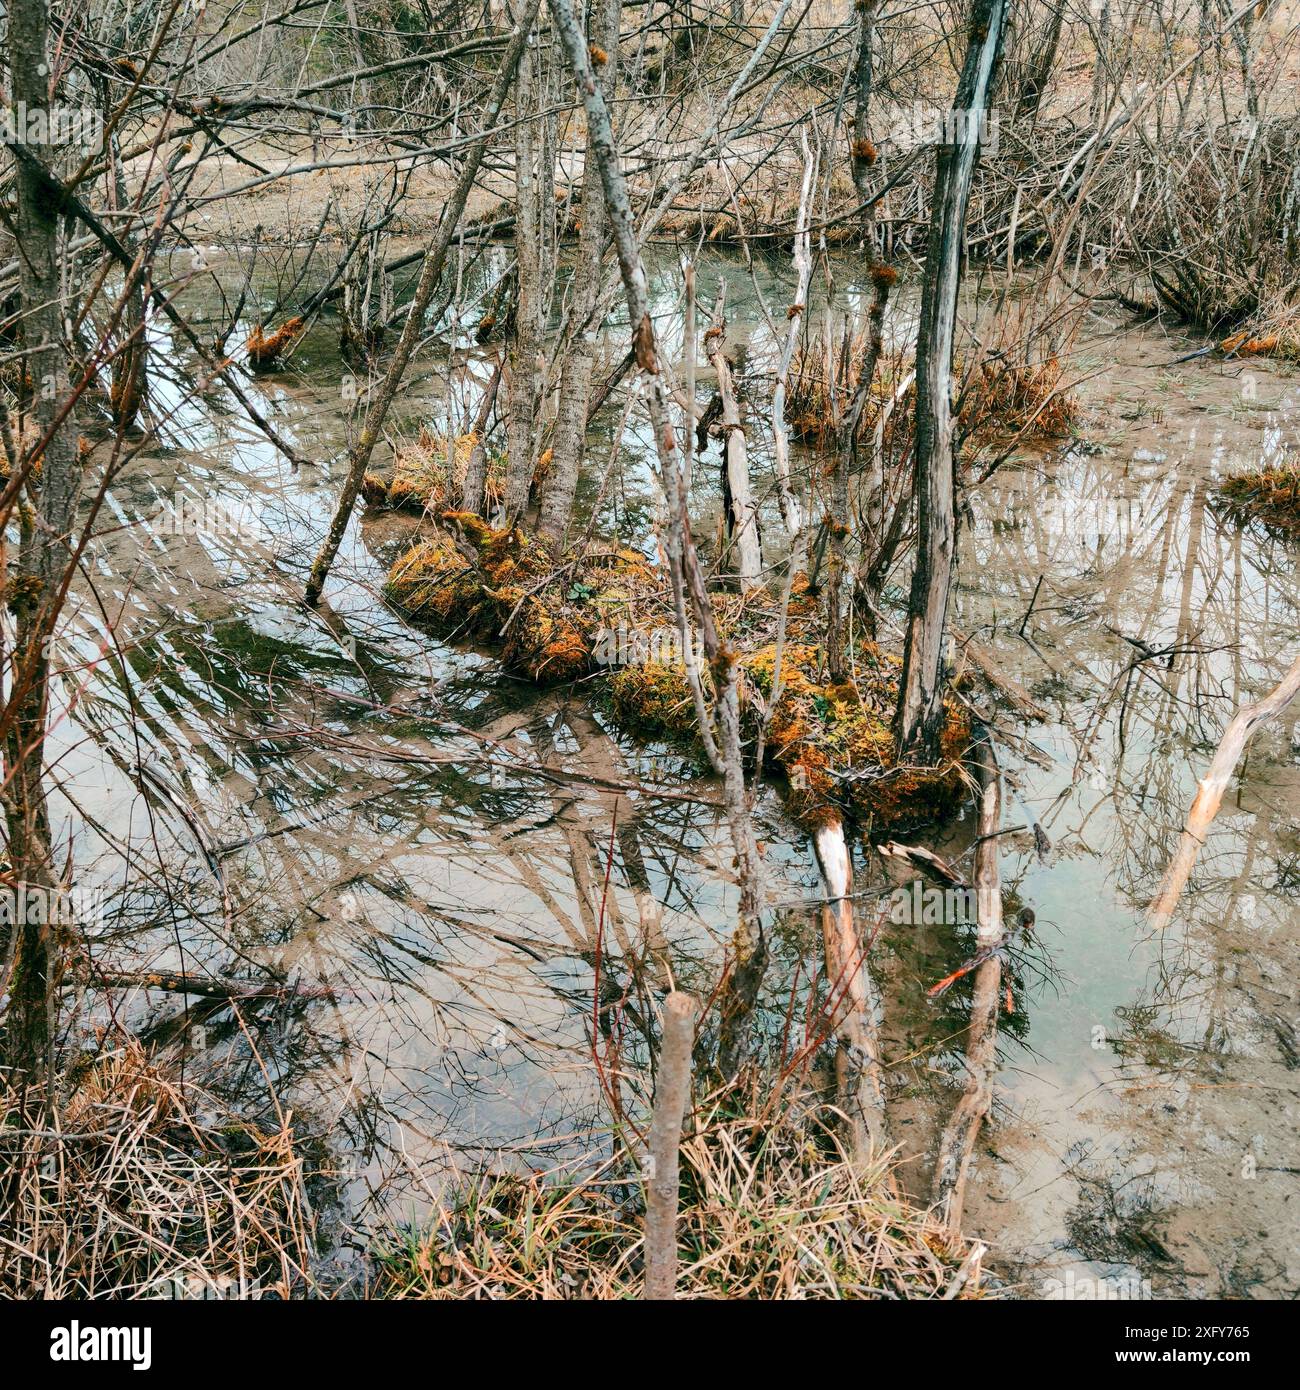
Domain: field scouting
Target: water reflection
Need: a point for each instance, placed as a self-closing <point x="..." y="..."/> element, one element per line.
<point x="447" y="855"/>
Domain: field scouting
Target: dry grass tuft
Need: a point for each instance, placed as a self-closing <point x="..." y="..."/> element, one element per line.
<point x="770" y="1210"/>
<point x="418" y="479"/>
<point x="122" y="1191"/>
<point x="1271" y="496"/>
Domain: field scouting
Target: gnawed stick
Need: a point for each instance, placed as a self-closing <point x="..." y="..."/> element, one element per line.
<point x="957" y="1142"/>
<point x="856" y="1016"/>
<point x="1210" y="792"/>
<point x="671" y="1094"/>
<point x="969" y="1271"/>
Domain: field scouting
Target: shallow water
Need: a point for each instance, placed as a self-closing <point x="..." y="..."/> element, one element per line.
<point x="468" y="864"/>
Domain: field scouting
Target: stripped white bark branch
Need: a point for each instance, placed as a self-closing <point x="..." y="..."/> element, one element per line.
<point x="1210" y="792"/>
<point x="857" y="1016"/>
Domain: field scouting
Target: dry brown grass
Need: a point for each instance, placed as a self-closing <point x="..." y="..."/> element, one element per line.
<point x="1271" y="495"/>
<point x="998" y="397"/>
<point x="422" y="469"/>
<point x="122" y="1191"/>
<point x="768" y="1210"/>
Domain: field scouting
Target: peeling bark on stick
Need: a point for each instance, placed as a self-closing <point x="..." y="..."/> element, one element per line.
<point x="742" y="516"/>
<point x="471" y="497"/>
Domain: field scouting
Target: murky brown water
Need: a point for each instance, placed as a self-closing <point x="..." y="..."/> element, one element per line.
<point x="373" y="811"/>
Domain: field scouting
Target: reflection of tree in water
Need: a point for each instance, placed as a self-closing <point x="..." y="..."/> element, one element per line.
<point x="1117" y="1220"/>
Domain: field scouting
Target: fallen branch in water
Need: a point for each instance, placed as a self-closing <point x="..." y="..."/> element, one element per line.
<point x="204" y="986"/>
<point x="925" y="859"/>
<point x="1210" y="792"/>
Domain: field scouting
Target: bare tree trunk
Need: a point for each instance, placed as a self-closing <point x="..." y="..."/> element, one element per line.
<point x="1210" y="791"/>
<point x="920" y="708"/>
<point x="525" y="367"/>
<point x="672" y="1092"/>
<point x="28" y="950"/>
<point x="568" y="441"/>
<point x="722" y="743"/>
<point x="957" y="1142"/>
<point x="428" y="282"/>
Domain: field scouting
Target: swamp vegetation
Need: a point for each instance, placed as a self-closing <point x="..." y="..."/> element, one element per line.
<point x="649" y="653"/>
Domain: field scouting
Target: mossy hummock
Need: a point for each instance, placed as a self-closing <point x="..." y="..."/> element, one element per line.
<point x="833" y="741"/>
<point x="508" y="586"/>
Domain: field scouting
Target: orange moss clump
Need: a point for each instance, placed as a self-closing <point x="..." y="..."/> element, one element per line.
<point x="835" y="742"/>
<point x="884" y="276"/>
<point x="507" y="586"/>
<point x="264" y="350"/>
<point x="1271" y="495"/>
